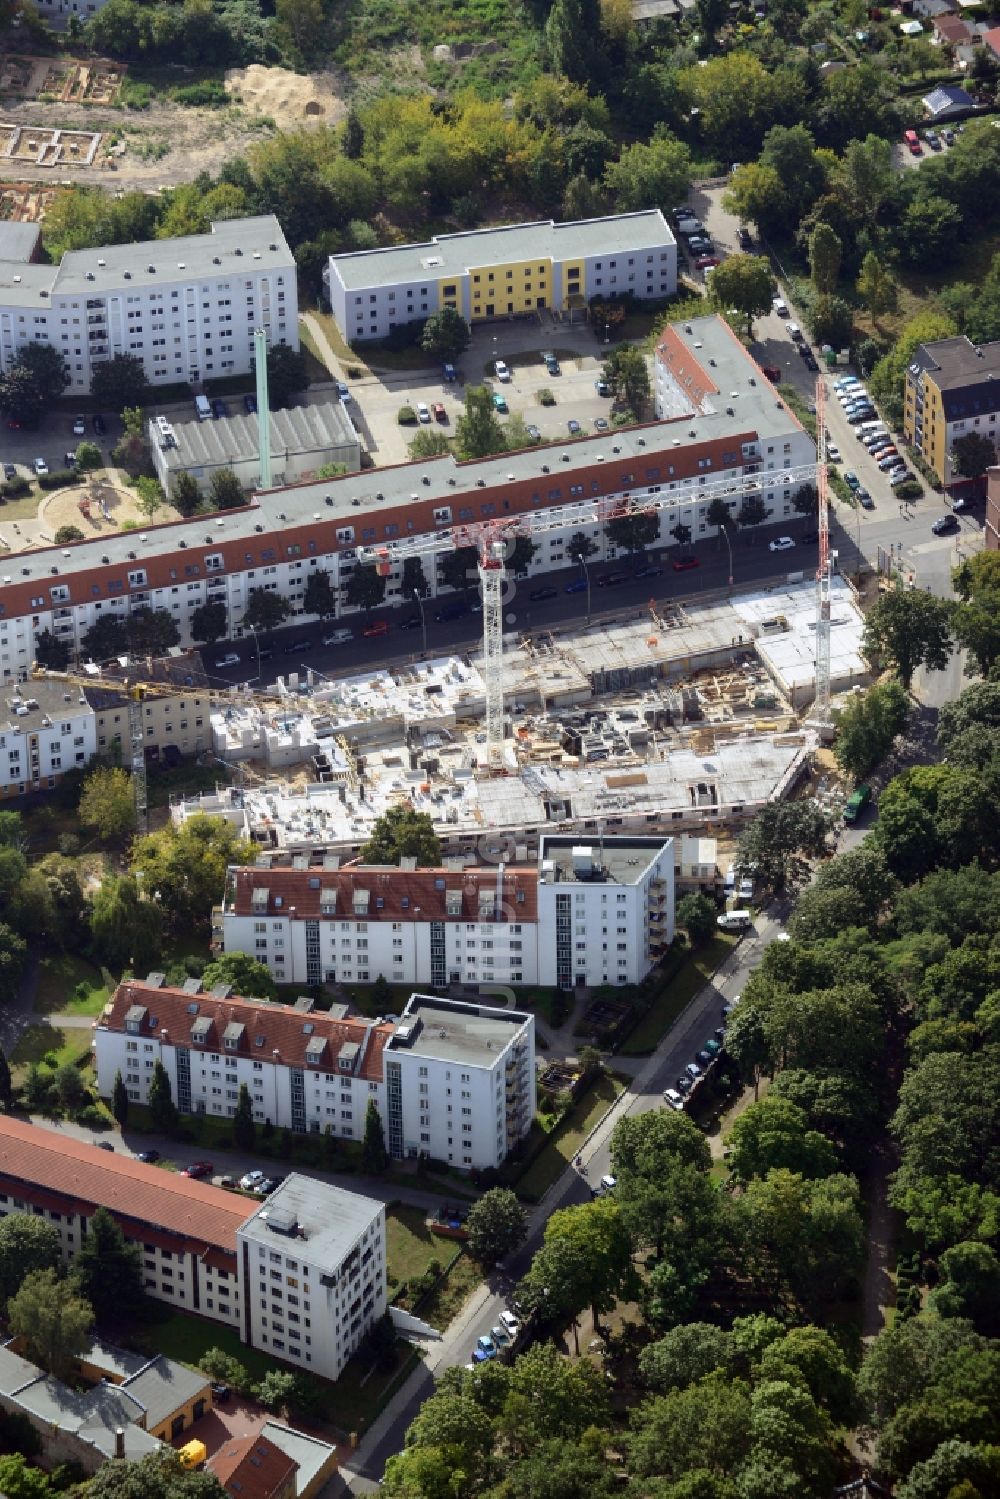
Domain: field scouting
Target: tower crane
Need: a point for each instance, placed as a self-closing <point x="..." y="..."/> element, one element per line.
<point x="824" y="580"/>
<point x="491" y="539"/>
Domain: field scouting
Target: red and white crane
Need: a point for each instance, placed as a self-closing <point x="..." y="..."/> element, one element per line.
<point x="824" y="579"/>
<point x="494" y="539"/>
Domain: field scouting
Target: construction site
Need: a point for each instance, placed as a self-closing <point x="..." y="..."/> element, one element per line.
<point x="686" y="723"/>
<point x="31" y="145"/>
<point x="61" y="80"/>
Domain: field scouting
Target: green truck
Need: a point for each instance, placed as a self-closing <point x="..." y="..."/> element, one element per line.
<point x="856" y="803"/>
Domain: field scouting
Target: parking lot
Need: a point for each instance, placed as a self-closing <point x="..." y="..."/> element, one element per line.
<point x="52" y="439"/>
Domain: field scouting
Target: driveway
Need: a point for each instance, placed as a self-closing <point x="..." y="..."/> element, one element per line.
<point x="235" y="1417"/>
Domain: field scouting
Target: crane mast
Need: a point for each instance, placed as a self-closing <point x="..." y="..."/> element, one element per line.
<point x="824" y="581"/>
<point x="491" y="578"/>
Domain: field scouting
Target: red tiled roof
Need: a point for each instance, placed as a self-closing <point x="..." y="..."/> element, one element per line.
<point x="686" y="368"/>
<point x="992" y="39"/>
<point x="406" y="894"/>
<point x="82" y="1178"/>
<point x="267" y="1028"/>
<point x="953" y="29"/>
<point x="251" y="1467"/>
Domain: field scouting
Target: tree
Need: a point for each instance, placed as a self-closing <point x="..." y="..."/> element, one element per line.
<point x="160" y="1101"/>
<point x="151" y="631"/>
<point x="648" y="174"/>
<point x="225" y="492"/>
<point x="696" y="914"/>
<point x="120" y="381"/>
<point x="805" y="1235"/>
<point x="580" y="545"/>
<point x="366" y="587"/>
<point x="969" y="728"/>
<point x="374" y="1156"/>
<point x="906" y="629"/>
<point x="70" y="1087"/>
<point x="401" y="833"/>
<point x="627" y="373"/>
<point x="459" y="568"/>
<point x="302" y="22"/>
<point x="831" y="321"/>
<point x="711" y="14"/>
<point x="429" y="442"/>
<point x="209" y="623"/>
<point x="825" y="254"/>
<point x="665" y="1194"/>
<point x="972" y="454"/>
<point x="496" y="1225"/>
<point x="107" y="1270"/>
<point x="243" y="974"/>
<point x="865" y="173"/>
<point x="752" y="512"/>
<point x="976" y="618"/>
<point x="67" y="534"/>
<point x="276" y="1390"/>
<point x="36" y="377"/>
<point x="775" y="1133"/>
<point x="745" y="283"/>
<point x="446" y="334"/>
<point x="27" y="1243"/>
<point x="868" y="725"/>
<point x="125" y="929"/>
<point x="13" y="951"/>
<point x="478" y="432"/>
<point x="264" y="610"/>
<point x="777" y="845"/>
<point x="757" y="195"/>
<point x="107" y="803"/>
<point x="50" y="651"/>
<point x="685" y="1355"/>
<point x="635" y="532"/>
<point x="186" y="866"/>
<point x="585" y="1260"/>
<point x="319" y="597"/>
<point x="244" y="1128"/>
<point x="119" y="1101"/>
<point x="51" y="1319"/>
<point x="185" y="495"/>
<point x="287" y="375"/>
<point x="876" y="286"/>
<point x="414" y="579"/>
<point x="970" y="1285"/>
<point x="6" y="1089"/>
<point x="158" y="1475"/>
<point x="88" y="457"/>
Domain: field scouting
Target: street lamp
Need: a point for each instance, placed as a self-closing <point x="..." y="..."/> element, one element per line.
<point x="256" y="641"/>
<point x="423" y="617"/>
<point x="729" y="549"/>
<point x="586" y="573"/>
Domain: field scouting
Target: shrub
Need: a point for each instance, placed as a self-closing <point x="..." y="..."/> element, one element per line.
<point x="406" y="416"/>
<point x="12" y="489"/>
<point x="135" y="95"/>
<point x="911" y="490"/>
<point x="545" y="397"/>
<point x="58" y="479"/>
<point x="208" y="95"/>
<point x="91" y="1117"/>
<point x="354" y="372"/>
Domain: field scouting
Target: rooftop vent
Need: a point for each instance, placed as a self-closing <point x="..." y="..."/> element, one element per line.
<point x="216" y="260"/>
<point x="151" y="269"/>
<point x="237" y="251"/>
<point x="100" y="261"/>
<point x="90" y="276"/>
<point x="127" y="275"/>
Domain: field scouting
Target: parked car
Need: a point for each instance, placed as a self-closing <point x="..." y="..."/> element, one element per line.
<point x="267" y="1185"/>
<point x="900" y="476"/>
<point x="746" y="889"/>
<point x="198" y="1169"/>
<point x="704" y="1057"/>
<point x="705" y="262"/>
<point x="673" y="1099"/>
<point x="41" y="467"/>
<point x="79" y="426"/>
<point x="889" y="460"/>
<point x="772" y="374"/>
<point x="449" y="373"/>
<point x="601" y="386"/>
<point x="502" y="372"/>
<point x="648" y="572"/>
<point x="684" y="1085"/>
<point x="809" y="359"/>
<point x="454" y="610"/>
<point x="933" y="139"/>
<point x="250" y="405"/>
<point x="340" y="636"/>
<point x="98" y="423"/>
<point x="851" y="480"/>
<point x="343" y="391"/>
<point x="69" y="459"/>
<point x="745" y="238"/>
<point x="511" y="1323"/>
<point x="480" y="1355"/>
<point x="612" y="580"/>
<point x="948" y="136"/>
<point x="231" y="658"/>
<point x="534" y="433"/>
<point x="864" y="499"/>
<point x="600" y="423"/>
<point x="251" y="1179"/>
<point x="440" y="414"/>
<point x="500" y="1335"/>
<point x="104" y="1145"/>
<point x="944" y="524"/>
<point x="551" y="364"/>
<point x="781" y="544"/>
<point x="500" y="401"/>
<point x="794" y="332"/>
<point x="148" y="1157"/>
<point x="220" y="1391"/>
<point x="693" y="1071"/>
<point x="573" y="427"/>
<point x="295" y="646"/>
<point x="423" y="412"/>
<point x="9" y="471"/>
<point x="539" y="595"/>
<point x="780" y="306"/>
<point x="578" y="585"/>
<point x="833" y="453"/>
<point x="606" y="1185"/>
<point x="376" y="628"/>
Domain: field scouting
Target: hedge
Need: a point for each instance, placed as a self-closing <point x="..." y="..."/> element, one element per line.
<point x="59" y="479"/>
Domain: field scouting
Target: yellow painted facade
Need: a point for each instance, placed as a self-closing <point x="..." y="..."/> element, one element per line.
<point x="508" y="289"/>
<point x="932" y="440"/>
<point x="185" y="1415"/>
<point x="573" y="282"/>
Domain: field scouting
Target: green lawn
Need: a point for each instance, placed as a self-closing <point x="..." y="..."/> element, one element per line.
<point x="410" y="1245"/>
<point x="188" y="1339"/>
<point x="42" y="1039"/>
<point x="567" y="1137"/>
<point x="71" y="986"/>
<point x="674" y="994"/>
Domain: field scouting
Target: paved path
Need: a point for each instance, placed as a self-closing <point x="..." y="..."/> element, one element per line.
<point x="323" y="344"/>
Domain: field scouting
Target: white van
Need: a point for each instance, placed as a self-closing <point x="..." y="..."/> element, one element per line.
<point x="338" y="637"/>
<point x="734" y="921"/>
<point x="203" y="408"/>
<point x="871" y="429"/>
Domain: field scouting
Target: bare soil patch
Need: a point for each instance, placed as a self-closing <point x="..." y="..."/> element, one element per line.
<point x="288" y="98"/>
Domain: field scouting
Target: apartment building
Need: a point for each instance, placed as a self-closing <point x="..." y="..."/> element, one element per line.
<point x="510" y="271"/>
<point x="742" y="430"/>
<point x="468" y="926"/>
<point x="313" y="1261"/>
<point x="305" y="1069"/>
<point x="459" y="1082"/>
<point x="188" y="307"/>
<point x="319" y="1250"/>
<point x="46" y="728"/>
<point x="952" y="388"/>
<point x="992" y="540"/>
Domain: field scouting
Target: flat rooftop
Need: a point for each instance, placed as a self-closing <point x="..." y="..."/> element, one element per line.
<point x="587" y="861"/>
<point x="24" y="707"/>
<point x="244" y="246"/>
<point x="330" y="1220"/>
<point x="958" y="361"/>
<point x="312" y="428"/>
<point x="542" y="239"/>
<point x="452" y="1031"/>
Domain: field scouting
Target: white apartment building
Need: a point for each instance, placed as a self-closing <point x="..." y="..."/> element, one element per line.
<point x="459" y="1082"/>
<point x="188" y="307"/>
<point x="305" y="1069"/>
<point x="514" y="270"/>
<point x="313" y="1271"/>
<point x="605" y="909"/>
<point x="46" y="728"/>
<point x="736" y="428"/>
<point x="472" y="926"/>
